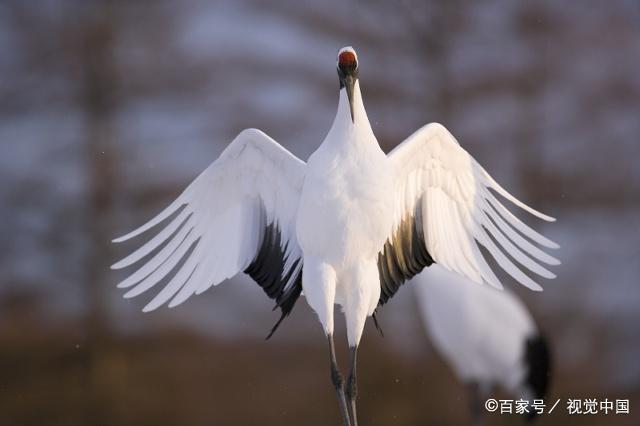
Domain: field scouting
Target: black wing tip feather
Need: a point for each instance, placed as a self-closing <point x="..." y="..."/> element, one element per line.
<point x="377" y="324"/>
<point x="287" y="302"/>
<point x="275" y="327"/>
<point x="267" y="269"/>
<point x="537" y="360"/>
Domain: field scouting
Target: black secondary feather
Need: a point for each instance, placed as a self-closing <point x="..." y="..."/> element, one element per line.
<point x="403" y="256"/>
<point x="267" y="269"/>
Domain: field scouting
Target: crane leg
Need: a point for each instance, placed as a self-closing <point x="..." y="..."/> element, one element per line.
<point x="476" y="403"/>
<point x="338" y="383"/>
<point x="352" y="385"/>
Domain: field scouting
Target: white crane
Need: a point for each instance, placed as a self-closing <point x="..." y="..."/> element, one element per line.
<point x="487" y="336"/>
<point x="347" y="227"/>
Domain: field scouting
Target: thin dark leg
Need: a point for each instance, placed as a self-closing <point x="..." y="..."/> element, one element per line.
<point x="338" y="382"/>
<point x="476" y="404"/>
<point x="352" y="386"/>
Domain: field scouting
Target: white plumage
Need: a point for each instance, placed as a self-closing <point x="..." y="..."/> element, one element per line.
<point x="457" y="208"/>
<point x="349" y="226"/>
<point x="487" y="336"/>
<point x="222" y="214"/>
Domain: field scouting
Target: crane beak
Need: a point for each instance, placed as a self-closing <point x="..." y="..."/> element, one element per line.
<point x="349" y="83"/>
<point x="348" y="75"/>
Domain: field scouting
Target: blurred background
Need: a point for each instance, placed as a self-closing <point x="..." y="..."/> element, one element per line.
<point x="109" y="108"/>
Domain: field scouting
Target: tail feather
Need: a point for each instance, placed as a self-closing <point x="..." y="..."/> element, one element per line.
<point x="537" y="361"/>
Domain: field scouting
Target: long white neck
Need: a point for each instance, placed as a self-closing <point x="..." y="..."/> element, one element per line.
<point x="343" y="127"/>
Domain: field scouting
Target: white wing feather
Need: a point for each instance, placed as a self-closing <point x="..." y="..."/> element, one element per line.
<point x="459" y="211"/>
<point x="219" y="220"/>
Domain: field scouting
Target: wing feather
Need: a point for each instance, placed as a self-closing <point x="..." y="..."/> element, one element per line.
<point x="153" y="265"/>
<point x="237" y="215"/>
<point x="155" y="242"/>
<point x="459" y="212"/>
<point x="164" y="214"/>
<point x="517" y="238"/>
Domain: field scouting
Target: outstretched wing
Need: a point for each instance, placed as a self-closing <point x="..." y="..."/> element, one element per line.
<point x="444" y="208"/>
<point x="238" y="215"/>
